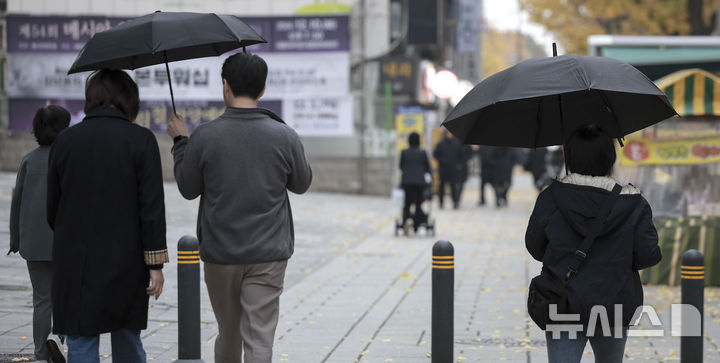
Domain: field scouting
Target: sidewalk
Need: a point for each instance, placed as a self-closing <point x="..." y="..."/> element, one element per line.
<point x="356" y="293"/>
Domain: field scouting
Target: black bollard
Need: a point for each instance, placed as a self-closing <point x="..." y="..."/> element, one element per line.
<point x="693" y="293"/>
<point x="443" y="290"/>
<point x="188" y="274"/>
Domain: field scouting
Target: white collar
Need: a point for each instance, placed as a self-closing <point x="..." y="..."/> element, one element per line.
<point x="602" y="182"/>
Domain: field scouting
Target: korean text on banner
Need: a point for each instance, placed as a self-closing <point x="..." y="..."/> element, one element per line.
<point x="308" y="82"/>
<point x="675" y="152"/>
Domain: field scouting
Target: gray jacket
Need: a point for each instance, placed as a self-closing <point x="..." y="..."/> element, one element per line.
<point x="29" y="230"/>
<point x="241" y="165"/>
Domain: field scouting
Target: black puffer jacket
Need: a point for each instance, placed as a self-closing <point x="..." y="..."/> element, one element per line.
<point x="414" y="164"/>
<point x="627" y="243"/>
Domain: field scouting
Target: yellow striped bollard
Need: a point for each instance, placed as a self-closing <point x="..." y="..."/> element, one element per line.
<point x="443" y="290"/>
<point x="188" y="274"/>
<point x="693" y="293"/>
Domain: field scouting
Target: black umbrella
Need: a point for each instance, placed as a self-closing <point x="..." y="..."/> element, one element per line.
<point x="539" y="102"/>
<point x="163" y="37"/>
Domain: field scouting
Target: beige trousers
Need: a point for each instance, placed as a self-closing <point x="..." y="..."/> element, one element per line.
<point x="246" y="303"/>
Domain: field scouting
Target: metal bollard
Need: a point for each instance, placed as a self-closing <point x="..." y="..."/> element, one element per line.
<point x="693" y="293"/>
<point x="188" y="274"/>
<point x="443" y="289"/>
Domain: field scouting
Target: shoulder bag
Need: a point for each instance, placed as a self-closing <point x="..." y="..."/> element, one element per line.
<point x="545" y="289"/>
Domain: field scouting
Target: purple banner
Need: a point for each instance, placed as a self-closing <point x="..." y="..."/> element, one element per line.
<point x="66" y="35"/>
<point x="308" y="33"/>
<point x="27" y="33"/>
<point x="153" y="115"/>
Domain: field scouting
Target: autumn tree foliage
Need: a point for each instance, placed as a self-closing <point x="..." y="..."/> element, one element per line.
<point x="572" y="21"/>
<point x="502" y="49"/>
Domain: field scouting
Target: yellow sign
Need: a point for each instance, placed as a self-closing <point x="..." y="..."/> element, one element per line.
<point x="397" y="69"/>
<point x="406" y="123"/>
<point x="647" y="152"/>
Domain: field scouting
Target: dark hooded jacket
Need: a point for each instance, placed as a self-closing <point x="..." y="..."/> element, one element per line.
<point x="626" y="243"/>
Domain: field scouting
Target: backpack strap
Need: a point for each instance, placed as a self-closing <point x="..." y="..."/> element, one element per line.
<point x="595" y="227"/>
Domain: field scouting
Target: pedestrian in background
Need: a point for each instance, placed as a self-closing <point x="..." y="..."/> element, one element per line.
<point x="463" y="170"/>
<point x="500" y="162"/>
<point x="414" y="165"/>
<point x="449" y="155"/>
<point x="241" y="165"/>
<point x="105" y="202"/>
<point x="626" y="243"/>
<point x="537" y="164"/>
<point x="30" y="233"/>
<point x="485" y="170"/>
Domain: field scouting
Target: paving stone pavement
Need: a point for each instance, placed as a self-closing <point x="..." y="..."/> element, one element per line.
<point x="356" y="293"/>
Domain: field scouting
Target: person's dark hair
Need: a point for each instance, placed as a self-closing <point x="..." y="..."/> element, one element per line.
<point x="112" y="88"/>
<point x="48" y="122"/>
<point x="245" y="73"/>
<point x="590" y="151"/>
<point x="414" y="139"/>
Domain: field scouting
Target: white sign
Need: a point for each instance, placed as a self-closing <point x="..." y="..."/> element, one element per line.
<point x="292" y="74"/>
<point x="32" y="75"/>
<point x="319" y="116"/>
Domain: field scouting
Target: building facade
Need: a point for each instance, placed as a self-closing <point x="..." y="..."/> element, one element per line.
<point x="343" y="163"/>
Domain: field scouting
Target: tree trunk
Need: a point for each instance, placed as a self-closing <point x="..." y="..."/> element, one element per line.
<point x="695" y="16"/>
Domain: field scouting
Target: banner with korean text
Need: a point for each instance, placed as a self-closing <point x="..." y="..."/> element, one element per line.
<point x="308" y="83"/>
<point x="675" y="152"/>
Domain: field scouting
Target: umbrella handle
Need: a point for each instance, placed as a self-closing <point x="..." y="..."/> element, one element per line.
<point x="167" y="69"/>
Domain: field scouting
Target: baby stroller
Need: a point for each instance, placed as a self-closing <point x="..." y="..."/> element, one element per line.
<point x="426" y="221"/>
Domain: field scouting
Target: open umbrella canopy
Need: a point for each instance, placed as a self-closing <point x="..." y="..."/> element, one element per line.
<point x="539" y="102"/>
<point x="163" y="37"/>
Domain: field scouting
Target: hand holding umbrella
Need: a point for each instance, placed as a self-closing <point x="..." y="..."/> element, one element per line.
<point x="177" y="126"/>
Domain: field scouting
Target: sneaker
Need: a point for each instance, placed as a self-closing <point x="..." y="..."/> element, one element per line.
<point x="57" y="349"/>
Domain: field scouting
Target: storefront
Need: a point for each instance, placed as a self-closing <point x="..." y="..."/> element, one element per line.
<point x="676" y="164"/>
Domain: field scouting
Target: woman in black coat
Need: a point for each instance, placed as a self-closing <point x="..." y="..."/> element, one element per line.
<point x="414" y="165"/>
<point x="608" y="276"/>
<point x="105" y="203"/>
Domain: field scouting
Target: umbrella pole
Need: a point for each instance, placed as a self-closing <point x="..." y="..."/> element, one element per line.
<point x="606" y="102"/>
<point x="167" y="69"/>
<point x="562" y="121"/>
<point x="562" y="131"/>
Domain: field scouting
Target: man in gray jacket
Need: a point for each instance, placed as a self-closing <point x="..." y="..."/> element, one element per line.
<point x="241" y="165"/>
